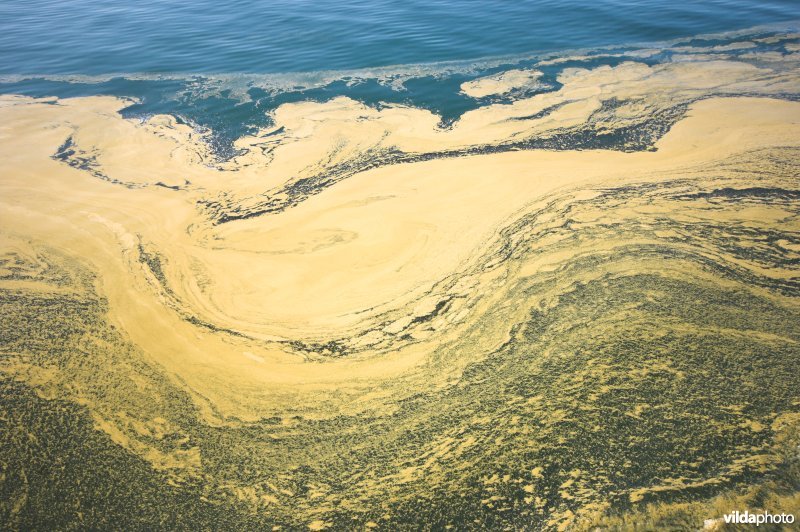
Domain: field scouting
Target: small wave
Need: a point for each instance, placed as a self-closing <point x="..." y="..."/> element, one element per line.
<point x="238" y="85"/>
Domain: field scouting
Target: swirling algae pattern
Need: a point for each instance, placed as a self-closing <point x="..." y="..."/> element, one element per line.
<point x="576" y="310"/>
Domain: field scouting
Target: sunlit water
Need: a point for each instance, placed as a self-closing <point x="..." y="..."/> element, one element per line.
<point x="168" y="36"/>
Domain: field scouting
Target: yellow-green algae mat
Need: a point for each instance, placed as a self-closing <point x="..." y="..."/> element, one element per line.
<point x="576" y="310"/>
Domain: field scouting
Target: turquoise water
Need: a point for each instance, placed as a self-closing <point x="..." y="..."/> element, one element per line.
<point x="223" y="65"/>
<point x="168" y="36"/>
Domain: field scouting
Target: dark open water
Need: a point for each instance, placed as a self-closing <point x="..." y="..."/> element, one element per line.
<point x="211" y="36"/>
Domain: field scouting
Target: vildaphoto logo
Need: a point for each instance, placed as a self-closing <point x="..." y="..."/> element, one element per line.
<point x="751" y="518"/>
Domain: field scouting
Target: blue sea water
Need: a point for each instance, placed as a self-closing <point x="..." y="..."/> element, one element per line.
<point x="202" y="59"/>
<point x="211" y="36"/>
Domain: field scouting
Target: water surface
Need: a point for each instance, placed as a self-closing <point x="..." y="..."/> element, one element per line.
<point x="204" y="36"/>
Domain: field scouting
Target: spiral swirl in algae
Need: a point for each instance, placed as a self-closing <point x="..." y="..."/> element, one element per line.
<point x="575" y="309"/>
